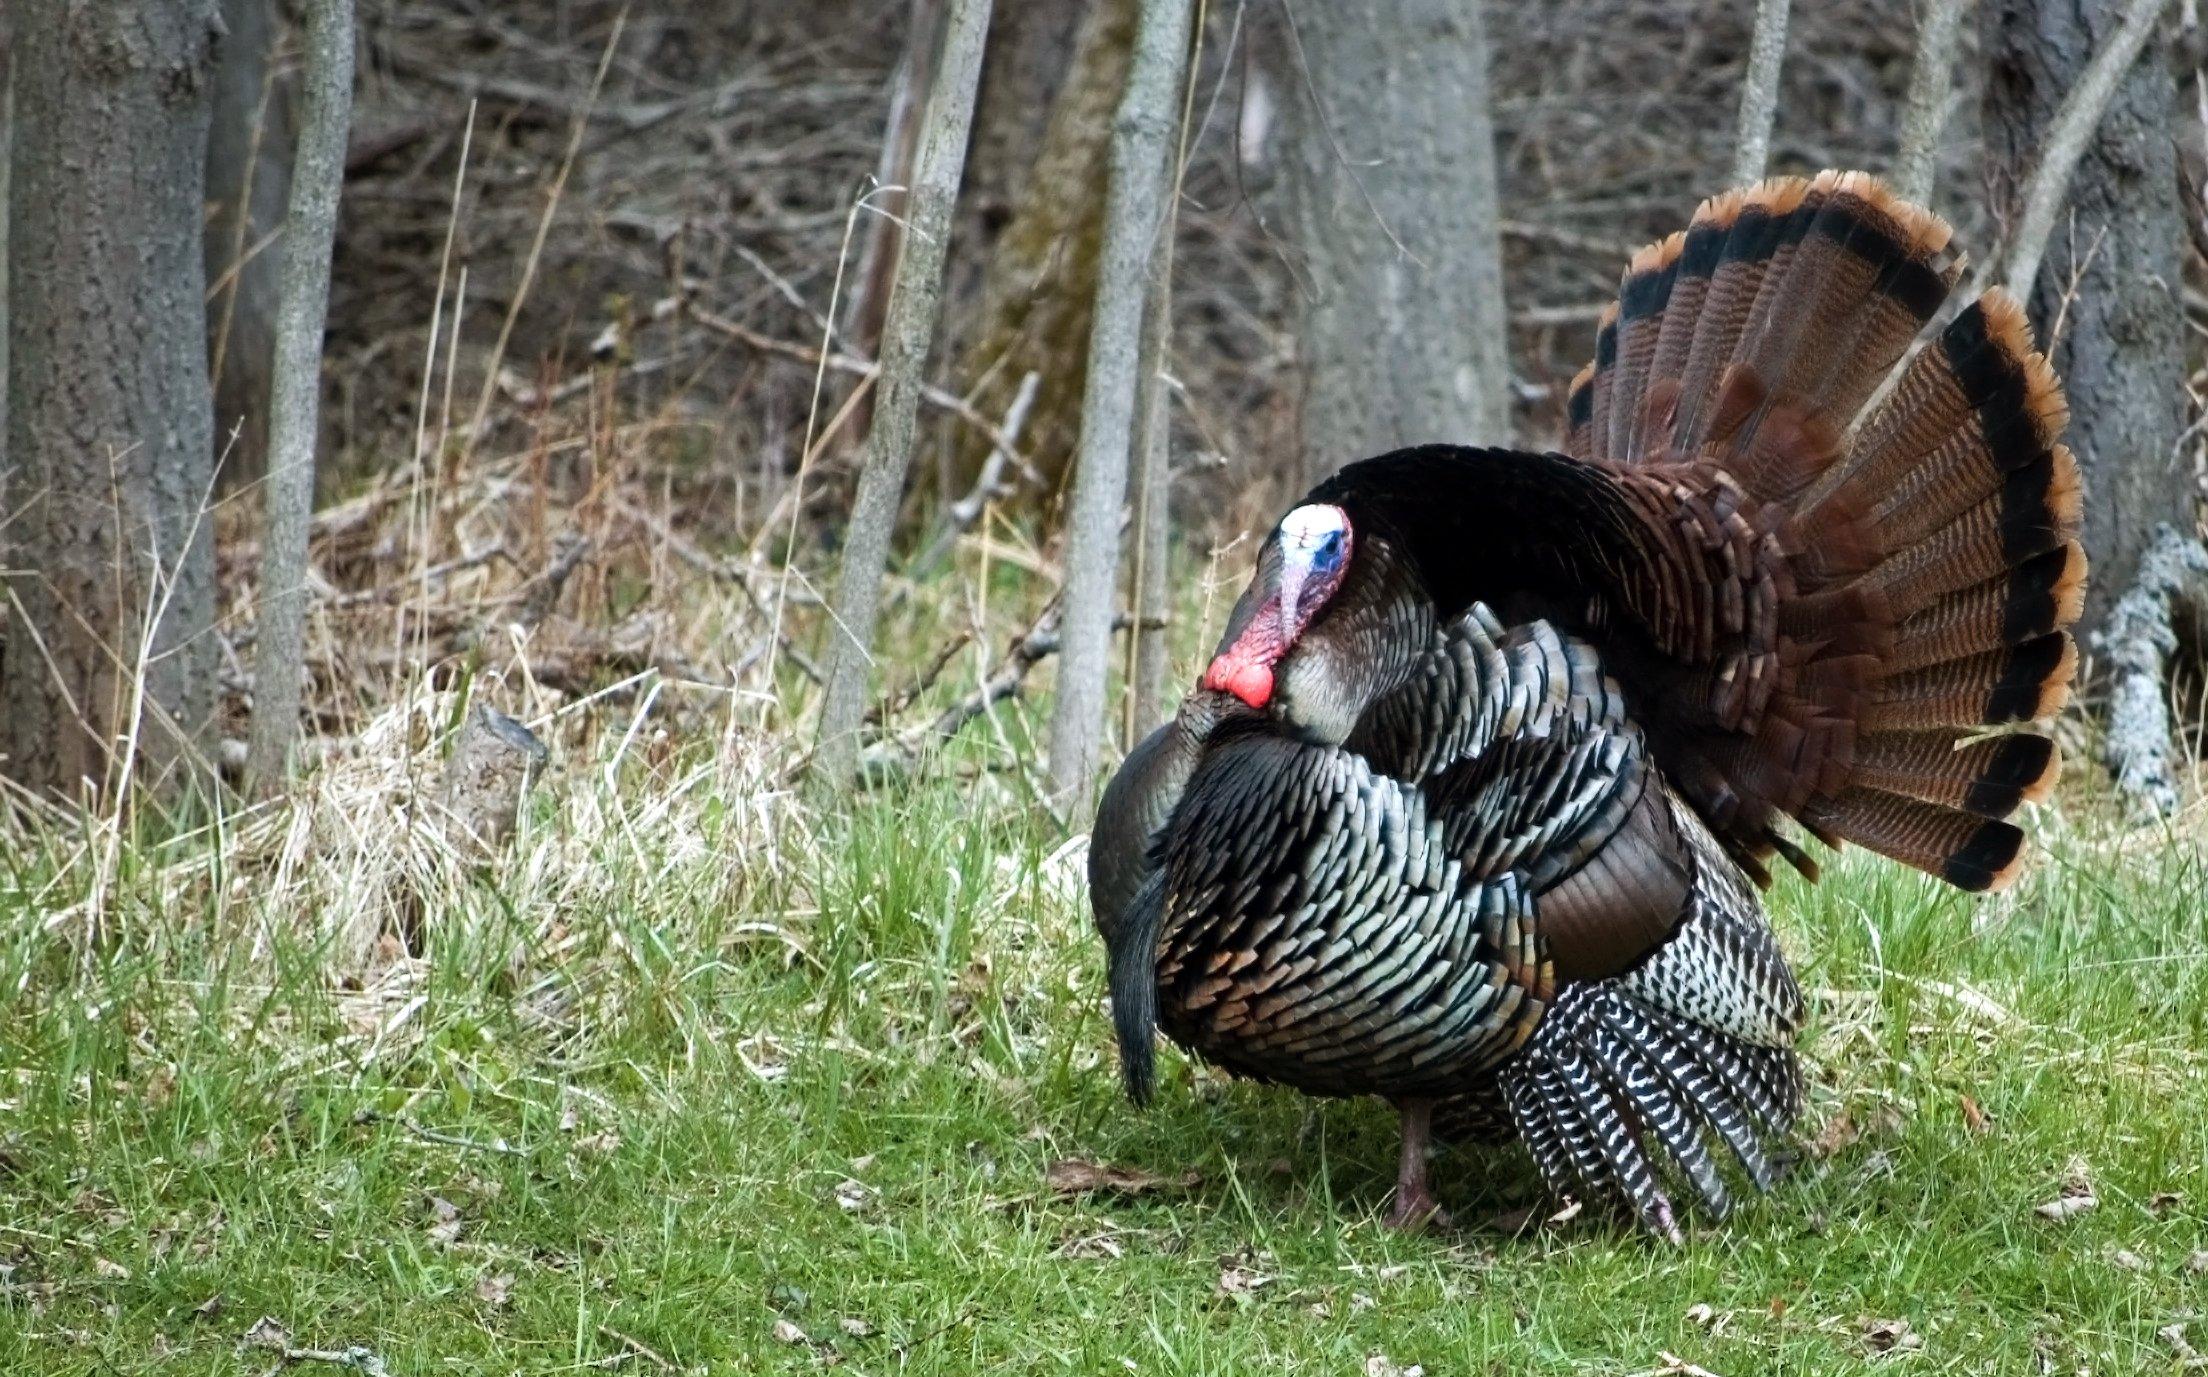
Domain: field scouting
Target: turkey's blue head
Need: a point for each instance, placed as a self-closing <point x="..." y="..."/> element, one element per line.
<point x="1298" y="572"/>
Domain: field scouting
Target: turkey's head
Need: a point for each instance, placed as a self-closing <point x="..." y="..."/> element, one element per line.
<point x="1319" y="633"/>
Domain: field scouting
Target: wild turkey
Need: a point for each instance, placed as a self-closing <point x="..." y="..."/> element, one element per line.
<point x="1466" y="809"/>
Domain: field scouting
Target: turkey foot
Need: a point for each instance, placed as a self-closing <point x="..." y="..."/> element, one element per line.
<point x="1415" y="1206"/>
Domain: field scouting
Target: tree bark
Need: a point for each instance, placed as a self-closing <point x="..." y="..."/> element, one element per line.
<point x="1039" y="289"/>
<point x="1759" y="92"/>
<point x="1149" y="701"/>
<point x="906" y="335"/>
<point x="249" y="149"/>
<point x="109" y="672"/>
<point x="1030" y="51"/>
<point x="1142" y="143"/>
<point x="2105" y="296"/>
<point x="1924" y="111"/>
<point x="2163" y="612"/>
<point x="7" y="122"/>
<point x="915" y="76"/>
<point x="1392" y="196"/>
<point x="310" y="232"/>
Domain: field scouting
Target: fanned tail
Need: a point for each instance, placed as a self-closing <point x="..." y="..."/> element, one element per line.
<point x="1932" y="542"/>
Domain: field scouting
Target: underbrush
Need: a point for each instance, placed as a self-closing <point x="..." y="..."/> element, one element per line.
<point x="689" y="1078"/>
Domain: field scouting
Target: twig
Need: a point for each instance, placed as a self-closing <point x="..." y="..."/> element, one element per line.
<point x="637" y="1346"/>
<point x="987" y="487"/>
<point x="845" y="363"/>
<point x="544" y="231"/>
<point x="431" y="1135"/>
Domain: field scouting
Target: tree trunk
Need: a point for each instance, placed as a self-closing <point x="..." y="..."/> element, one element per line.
<point x="2106" y="294"/>
<point x="7" y="106"/>
<point x="1030" y="48"/>
<point x="1039" y="289"/>
<point x="1924" y="110"/>
<point x="1149" y="700"/>
<point x="1759" y="92"/>
<point x="877" y="269"/>
<point x="907" y="333"/>
<point x="249" y="146"/>
<point x="310" y="231"/>
<point x="1142" y="146"/>
<point x="1391" y="186"/>
<point x="110" y="448"/>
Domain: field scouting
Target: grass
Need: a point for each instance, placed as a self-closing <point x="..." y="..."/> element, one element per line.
<point x="689" y="1082"/>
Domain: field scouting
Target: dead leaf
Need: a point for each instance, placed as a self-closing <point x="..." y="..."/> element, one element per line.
<point x="1072" y="1176"/>
<point x="1092" y="1248"/>
<point x="855" y="1327"/>
<point x="2128" y="1260"/>
<point x="1890" y="1336"/>
<point x="599" y="1144"/>
<point x="1974" y="1118"/>
<point x="2077" y="1194"/>
<point x="2065" y="1206"/>
<point x="495" y="1289"/>
<point x="1381" y="1365"/>
<point x="1701" y="1314"/>
<point x="110" y="1270"/>
<point x="2197" y="1263"/>
<point x="2187" y="1355"/>
<point x="2162" y="1202"/>
<point x="853" y="1196"/>
<point x="787" y="1333"/>
<point x="446" y="1230"/>
<point x="1241" y="1281"/>
<point x="209" y="1308"/>
<point x="267" y="1332"/>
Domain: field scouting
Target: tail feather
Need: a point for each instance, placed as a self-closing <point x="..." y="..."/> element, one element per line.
<point x="1932" y="541"/>
<point x="1606" y="1074"/>
<point x="1965" y="849"/>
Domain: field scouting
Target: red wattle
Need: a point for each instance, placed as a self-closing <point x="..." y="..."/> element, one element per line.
<point x="1249" y="680"/>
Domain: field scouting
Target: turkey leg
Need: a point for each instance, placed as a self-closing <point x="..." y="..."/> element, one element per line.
<point x="1415" y="1205"/>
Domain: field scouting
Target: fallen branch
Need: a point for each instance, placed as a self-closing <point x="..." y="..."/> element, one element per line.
<point x="2141" y="638"/>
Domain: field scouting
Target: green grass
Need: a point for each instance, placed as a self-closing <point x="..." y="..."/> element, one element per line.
<point x="687" y="1081"/>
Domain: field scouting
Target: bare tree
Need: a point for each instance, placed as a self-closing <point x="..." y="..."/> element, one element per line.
<point x="1759" y="92"/>
<point x="1147" y="701"/>
<point x="110" y="670"/>
<point x="906" y="335"/>
<point x="1142" y="134"/>
<point x="249" y="149"/>
<point x="310" y="231"/>
<point x="1392" y="192"/>
<point x="885" y="228"/>
<point x="2079" y="152"/>
<point x="1931" y="86"/>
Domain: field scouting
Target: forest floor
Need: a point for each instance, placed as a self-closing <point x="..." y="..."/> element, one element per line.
<point x="690" y="1083"/>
